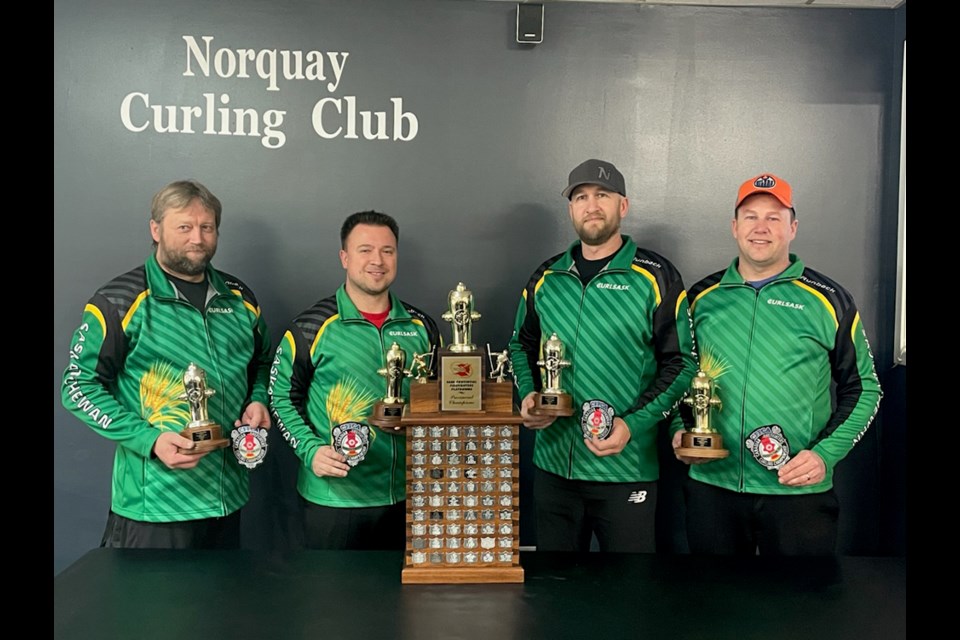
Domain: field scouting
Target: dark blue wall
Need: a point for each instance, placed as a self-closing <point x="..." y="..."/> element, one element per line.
<point x="687" y="101"/>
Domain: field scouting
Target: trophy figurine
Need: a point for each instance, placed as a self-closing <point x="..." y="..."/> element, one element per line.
<point x="500" y="365"/>
<point x="388" y="411"/>
<point x="205" y="433"/>
<point x="461" y="315"/>
<point x="553" y="400"/>
<point x="702" y="441"/>
<point x="422" y="367"/>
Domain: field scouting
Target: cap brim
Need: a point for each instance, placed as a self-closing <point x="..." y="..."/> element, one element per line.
<point x="570" y="189"/>
<point x="776" y="195"/>
<point x="566" y="192"/>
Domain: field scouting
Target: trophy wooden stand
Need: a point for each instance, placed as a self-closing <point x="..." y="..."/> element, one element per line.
<point x="706" y="445"/>
<point x="206" y="436"/>
<point x="462" y="483"/>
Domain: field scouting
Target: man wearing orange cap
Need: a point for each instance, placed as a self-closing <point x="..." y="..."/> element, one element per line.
<point x="773" y="332"/>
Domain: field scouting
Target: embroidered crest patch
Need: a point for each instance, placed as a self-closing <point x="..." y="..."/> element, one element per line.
<point x="769" y="446"/>
<point x="352" y="441"/>
<point x="596" y="419"/>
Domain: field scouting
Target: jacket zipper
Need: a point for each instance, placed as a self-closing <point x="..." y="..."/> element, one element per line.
<point x="223" y="411"/>
<point x="393" y="441"/>
<point x="583" y="296"/>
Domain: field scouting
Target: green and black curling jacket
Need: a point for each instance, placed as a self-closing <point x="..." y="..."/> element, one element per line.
<point x="125" y="380"/>
<point x="627" y="335"/>
<point x="778" y="348"/>
<point x="325" y="374"/>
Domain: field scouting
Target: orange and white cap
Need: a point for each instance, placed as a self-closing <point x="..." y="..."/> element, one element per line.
<point x="766" y="183"/>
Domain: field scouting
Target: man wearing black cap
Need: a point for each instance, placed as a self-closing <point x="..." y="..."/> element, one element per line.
<point x="773" y="332"/>
<point x="621" y="313"/>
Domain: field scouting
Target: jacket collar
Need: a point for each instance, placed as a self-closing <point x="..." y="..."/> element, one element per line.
<point x="161" y="287"/>
<point x="349" y="311"/>
<point x="620" y="261"/>
<point x="732" y="275"/>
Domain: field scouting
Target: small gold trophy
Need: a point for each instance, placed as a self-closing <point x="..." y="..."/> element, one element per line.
<point x="553" y="400"/>
<point x="702" y="440"/>
<point x="388" y="411"/>
<point x="461" y="363"/>
<point x="204" y="432"/>
<point x="462" y="316"/>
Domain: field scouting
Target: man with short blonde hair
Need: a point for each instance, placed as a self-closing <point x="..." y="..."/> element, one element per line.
<point x="138" y="336"/>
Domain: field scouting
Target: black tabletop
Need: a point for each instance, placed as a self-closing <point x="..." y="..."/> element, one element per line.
<point x="319" y="595"/>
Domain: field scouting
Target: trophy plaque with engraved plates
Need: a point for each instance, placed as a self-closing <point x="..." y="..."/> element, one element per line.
<point x="462" y="463"/>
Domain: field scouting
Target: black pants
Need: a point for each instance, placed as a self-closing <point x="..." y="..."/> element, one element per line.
<point x="354" y="528"/>
<point x="723" y="522"/>
<point x="570" y="512"/>
<point x="208" y="533"/>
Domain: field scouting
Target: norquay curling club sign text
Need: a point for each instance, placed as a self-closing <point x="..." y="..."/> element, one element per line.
<point x="216" y="114"/>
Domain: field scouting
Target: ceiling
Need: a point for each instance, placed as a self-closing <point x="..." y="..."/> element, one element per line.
<point x="821" y="4"/>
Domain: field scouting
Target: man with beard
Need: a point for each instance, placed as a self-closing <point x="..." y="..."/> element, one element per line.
<point x="125" y="380"/>
<point x="324" y="385"/>
<point x="621" y="313"/>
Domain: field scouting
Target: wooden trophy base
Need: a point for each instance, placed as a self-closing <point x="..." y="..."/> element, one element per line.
<point x="702" y="445"/>
<point x="474" y="575"/>
<point x="424" y="397"/>
<point x="206" y="437"/>
<point x="463" y="499"/>
<point x="387" y="416"/>
<point x="553" y="404"/>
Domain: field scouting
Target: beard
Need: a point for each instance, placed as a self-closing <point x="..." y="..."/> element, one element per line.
<point x="185" y="263"/>
<point x="595" y="235"/>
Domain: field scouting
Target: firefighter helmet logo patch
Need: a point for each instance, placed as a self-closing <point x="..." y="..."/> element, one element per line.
<point x="352" y="441"/>
<point x="769" y="446"/>
<point x="596" y="419"/>
<point x="249" y="445"/>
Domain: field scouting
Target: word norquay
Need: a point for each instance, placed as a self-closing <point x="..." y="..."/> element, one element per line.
<point x="213" y="114"/>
